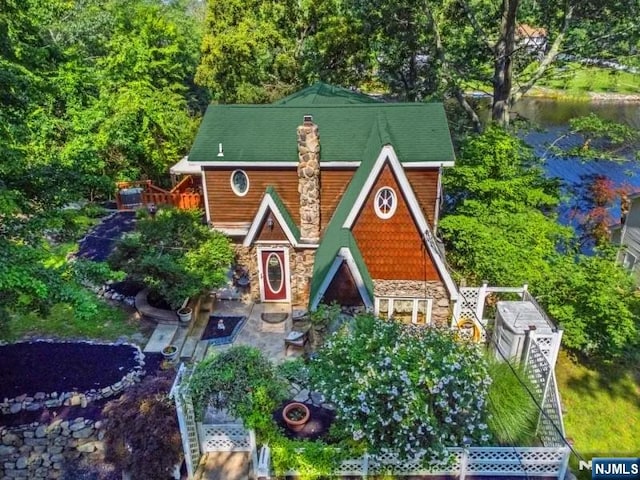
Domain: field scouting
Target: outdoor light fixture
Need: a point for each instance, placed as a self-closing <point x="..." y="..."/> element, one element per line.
<point x="270" y="223"/>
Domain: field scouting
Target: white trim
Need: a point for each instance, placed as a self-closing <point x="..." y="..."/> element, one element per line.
<point x="282" y="273"/>
<point x="206" y="199"/>
<point x="287" y="272"/>
<point x="388" y="154"/>
<point x="436" y="213"/>
<point x="414" y="313"/>
<point x="267" y="204"/>
<point x="392" y="208"/>
<point x="449" y="163"/>
<point x="233" y="185"/>
<point x="326" y="164"/>
<point x="344" y="254"/>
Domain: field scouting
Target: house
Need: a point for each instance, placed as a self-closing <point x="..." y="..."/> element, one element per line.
<point x="626" y="233"/>
<point x="330" y="195"/>
<point x="533" y="39"/>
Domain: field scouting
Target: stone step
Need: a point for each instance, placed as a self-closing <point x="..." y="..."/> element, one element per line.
<point x="161" y="337"/>
<point x="180" y="336"/>
<point x="201" y="350"/>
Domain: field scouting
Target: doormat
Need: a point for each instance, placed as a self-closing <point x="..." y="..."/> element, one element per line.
<point x="223" y="330"/>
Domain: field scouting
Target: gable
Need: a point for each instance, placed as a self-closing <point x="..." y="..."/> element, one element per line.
<point x="393" y="248"/>
<point x="270" y="229"/>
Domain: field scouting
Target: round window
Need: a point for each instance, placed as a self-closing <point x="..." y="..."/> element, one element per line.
<point x="385" y="203"/>
<point x="239" y="183"/>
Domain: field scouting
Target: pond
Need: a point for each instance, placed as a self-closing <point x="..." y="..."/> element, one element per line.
<point x="549" y="119"/>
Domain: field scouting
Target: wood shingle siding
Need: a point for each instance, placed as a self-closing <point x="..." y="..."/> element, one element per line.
<point x="333" y="183"/>
<point x="425" y="185"/>
<point x="393" y="249"/>
<point x="226" y="207"/>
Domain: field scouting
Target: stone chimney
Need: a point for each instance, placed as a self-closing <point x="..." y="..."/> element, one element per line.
<point x="309" y="180"/>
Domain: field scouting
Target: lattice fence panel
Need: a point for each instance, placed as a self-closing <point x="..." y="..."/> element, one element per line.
<point x="186" y="419"/>
<point x="487" y="461"/>
<point x="515" y="461"/>
<point x="224" y="438"/>
<point x="550" y="425"/>
<point x="469" y="304"/>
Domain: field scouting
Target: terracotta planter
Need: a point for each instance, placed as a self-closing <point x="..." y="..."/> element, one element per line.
<point x="184" y="314"/>
<point x="296" y="415"/>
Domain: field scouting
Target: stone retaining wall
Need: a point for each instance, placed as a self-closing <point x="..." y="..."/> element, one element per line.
<point x="43" y="450"/>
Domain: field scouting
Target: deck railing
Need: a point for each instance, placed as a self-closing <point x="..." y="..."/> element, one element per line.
<point x="185" y="195"/>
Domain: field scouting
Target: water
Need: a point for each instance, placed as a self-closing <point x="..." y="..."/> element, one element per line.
<point x="549" y="120"/>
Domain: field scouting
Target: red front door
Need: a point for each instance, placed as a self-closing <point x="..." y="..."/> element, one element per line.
<point x="274" y="275"/>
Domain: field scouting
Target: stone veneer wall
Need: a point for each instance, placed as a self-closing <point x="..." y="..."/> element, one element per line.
<point x="441" y="308"/>
<point x="300" y="266"/>
<point x="42" y="450"/>
<point x="309" y="181"/>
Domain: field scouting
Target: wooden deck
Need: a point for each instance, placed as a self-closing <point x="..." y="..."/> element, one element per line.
<point x="187" y="194"/>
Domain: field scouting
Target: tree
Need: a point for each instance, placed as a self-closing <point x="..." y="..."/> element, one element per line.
<point x="499" y="223"/>
<point x="595" y="301"/>
<point x="251" y="50"/>
<point x="174" y="254"/>
<point x="141" y="430"/>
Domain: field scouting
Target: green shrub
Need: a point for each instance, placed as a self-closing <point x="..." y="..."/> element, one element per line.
<point x="295" y="371"/>
<point x="512" y="411"/>
<point x="404" y="389"/>
<point x="240" y="380"/>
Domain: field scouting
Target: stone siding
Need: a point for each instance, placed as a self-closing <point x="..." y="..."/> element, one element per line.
<point x="309" y="181"/>
<point x="300" y="271"/>
<point x="441" y="308"/>
<point x="42" y="450"/>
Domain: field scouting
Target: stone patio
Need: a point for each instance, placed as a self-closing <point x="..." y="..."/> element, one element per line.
<point x="255" y="332"/>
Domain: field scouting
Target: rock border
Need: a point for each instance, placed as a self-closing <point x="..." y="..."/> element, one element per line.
<point x="74" y="398"/>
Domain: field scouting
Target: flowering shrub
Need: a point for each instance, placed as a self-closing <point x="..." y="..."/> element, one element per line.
<point x="407" y="390"/>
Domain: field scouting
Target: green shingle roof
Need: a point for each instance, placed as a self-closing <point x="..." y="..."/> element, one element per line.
<point x="267" y="133"/>
<point x="285" y="213"/>
<point x="323" y="94"/>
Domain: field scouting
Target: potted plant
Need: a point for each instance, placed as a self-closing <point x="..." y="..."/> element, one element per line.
<point x="184" y="314"/>
<point x="170" y="352"/>
<point x="296" y="415"/>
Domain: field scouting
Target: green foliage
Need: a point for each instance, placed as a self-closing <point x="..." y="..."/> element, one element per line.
<point x="412" y="391"/>
<point x="325" y="315"/>
<point x="512" y="412"/>
<point x="250" y="50"/>
<point x="310" y="460"/>
<point x="240" y="380"/>
<point x="594" y="299"/>
<point x="601" y="138"/>
<point x="91" y="273"/>
<point x="498" y="226"/>
<point x="294" y="371"/>
<point x="174" y="254"/>
<point x="142" y="435"/>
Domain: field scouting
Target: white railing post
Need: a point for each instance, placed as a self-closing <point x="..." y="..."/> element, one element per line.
<point x="562" y="471"/>
<point x="482" y="296"/>
<point x="365" y="465"/>
<point x="254" y="450"/>
<point x="464" y="461"/>
<point x="556" y="341"/>
<point x="264" y="463"/>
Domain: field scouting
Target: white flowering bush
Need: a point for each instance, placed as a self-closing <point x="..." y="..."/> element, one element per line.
<point x="402" y="389"/>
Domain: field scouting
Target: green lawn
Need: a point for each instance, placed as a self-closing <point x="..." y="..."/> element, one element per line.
<point x="602" y="408"/>
<point x="109" y="323"/>
<point x="574" y="77"/>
